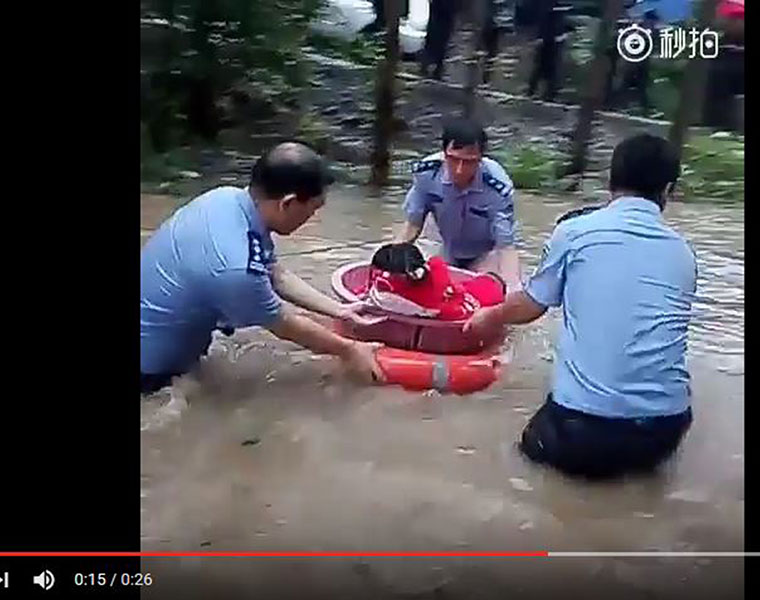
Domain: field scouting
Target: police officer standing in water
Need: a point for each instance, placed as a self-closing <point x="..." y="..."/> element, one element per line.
<point x="472" y="200"/>
<point x="620" y="399"/>
<point x="212" y="265"/>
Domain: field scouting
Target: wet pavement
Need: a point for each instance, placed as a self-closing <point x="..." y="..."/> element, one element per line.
<point x="277" y="452"/>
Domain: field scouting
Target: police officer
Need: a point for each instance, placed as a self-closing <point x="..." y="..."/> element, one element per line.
<point x="552" y="33"/>
<point x="636" y="75"/>
<point x="213" y="263"/>
<point x="613" y="56"/>
<point x="472" y="200"/>
<point x="489" y="40"/>
<point x="620" y="400"/>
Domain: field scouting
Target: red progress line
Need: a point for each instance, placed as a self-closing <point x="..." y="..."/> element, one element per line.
<point x="272" y="554"/>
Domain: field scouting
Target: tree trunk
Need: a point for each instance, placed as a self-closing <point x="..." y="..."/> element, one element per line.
<point x="693" y="84"/>
<point x="475" y="62"/>
<point x="384" y="96"/>
<point x="595" y="86"/>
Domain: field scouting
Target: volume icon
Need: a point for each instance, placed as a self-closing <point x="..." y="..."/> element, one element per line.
<point x="45" y="580"/>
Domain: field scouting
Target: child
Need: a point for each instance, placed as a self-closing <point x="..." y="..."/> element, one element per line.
<point x="400" y="281"/>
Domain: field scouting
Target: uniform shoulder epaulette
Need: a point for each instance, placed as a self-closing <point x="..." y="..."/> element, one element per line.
<point x="577" y="212"/>
<point x="503" y="187"/>
<point x="420" y="166"/>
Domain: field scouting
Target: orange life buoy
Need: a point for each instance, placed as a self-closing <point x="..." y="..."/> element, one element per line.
<point x="418" y="371"/>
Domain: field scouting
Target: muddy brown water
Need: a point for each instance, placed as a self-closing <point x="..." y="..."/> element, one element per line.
<point x="277" y="452"/>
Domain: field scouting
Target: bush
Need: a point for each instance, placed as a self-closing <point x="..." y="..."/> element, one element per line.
<point x="713" y="168"/>
<point x="530" y="166"/>
<point x="194" y="52"/>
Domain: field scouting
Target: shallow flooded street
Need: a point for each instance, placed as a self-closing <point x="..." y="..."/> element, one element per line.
<point x="276" y="452"/>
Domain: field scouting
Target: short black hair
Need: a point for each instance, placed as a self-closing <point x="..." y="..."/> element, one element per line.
<point x="403" y="258"/>
<point x="292" y="167"/>
<point x="644" y="164"/>
<point x="463" y="132"/>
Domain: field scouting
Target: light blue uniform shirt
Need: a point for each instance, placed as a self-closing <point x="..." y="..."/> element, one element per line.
<point x="626" y="282"/>
<point x="472" y="221"/>
<point x="208" y="265"/>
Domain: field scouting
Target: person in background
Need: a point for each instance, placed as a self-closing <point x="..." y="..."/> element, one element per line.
<point x="439" y="29"/>
<point x="636" y="74"/>
<point x="490" y="39"/>
<point x="552" y="33"/>
<point x="725" y="73"/>
<point x="379" y="23"/>
<point x="620" y="399"/>
<point x="613" y="55"/>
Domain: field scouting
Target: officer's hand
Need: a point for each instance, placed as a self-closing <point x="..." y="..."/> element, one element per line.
<point x="484" y="320"/>
<point x="351" y="312"/>
<point x="360" y="360"/>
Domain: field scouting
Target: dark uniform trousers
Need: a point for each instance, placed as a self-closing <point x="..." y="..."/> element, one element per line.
<point x="439" y="29"/>
<point x="580" y="444"/>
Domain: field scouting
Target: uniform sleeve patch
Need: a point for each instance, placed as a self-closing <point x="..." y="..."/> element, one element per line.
<point x="260" y="257"/>
<point x="502" y="187"/>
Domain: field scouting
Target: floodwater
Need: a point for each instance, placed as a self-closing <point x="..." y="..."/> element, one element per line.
<point x="277" y="452"/>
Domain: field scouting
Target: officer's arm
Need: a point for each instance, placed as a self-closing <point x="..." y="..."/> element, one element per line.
<point x="409" y="233"/>
<point x="294" y="289"/>
<point x="506" y="262"/>
<point x="519" y="308"/>
<point x="306" y="332"/>
<point x="359" y="357"/>
<point x="544" y="289"/>
<point x="247" y="299"/>
<point x="415" y="212"/>
<point x="547" y="284"/>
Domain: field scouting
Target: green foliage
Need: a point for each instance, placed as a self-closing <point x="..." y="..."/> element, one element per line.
<point x="530" y="166"/>
<point x="713" y="168"/>
<point x="194" y="53"/>
<point x="581" y="42"/>
<point x="664" y="87"/>
<point x="161" y="166"/>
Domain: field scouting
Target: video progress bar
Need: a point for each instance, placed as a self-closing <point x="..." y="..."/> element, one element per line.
<point x="545" y="554"/>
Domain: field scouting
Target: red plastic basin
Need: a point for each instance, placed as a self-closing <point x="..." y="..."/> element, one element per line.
<point x="410" y="333"/>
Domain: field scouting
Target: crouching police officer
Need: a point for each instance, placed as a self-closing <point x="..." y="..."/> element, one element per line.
<point x="472" y="200"/>
<point x="213" y="262"/>
<point x="620" y="400"/>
